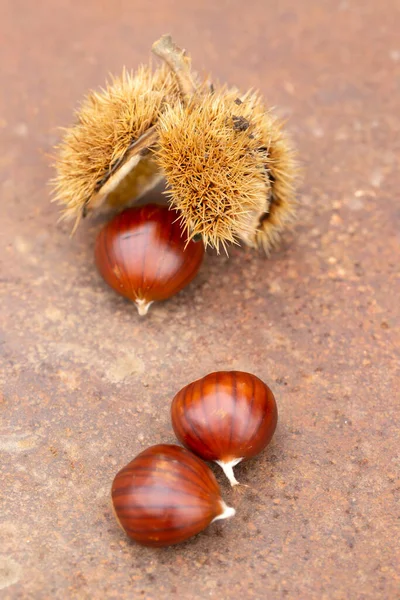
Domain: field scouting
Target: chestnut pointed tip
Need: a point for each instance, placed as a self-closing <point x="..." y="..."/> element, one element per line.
<point x="227" y="467"/>
<point x="227" y="512"/>
<point x="143" y="306"/>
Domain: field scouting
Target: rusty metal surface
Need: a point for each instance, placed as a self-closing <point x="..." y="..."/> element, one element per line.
<point x="86" y="384"/>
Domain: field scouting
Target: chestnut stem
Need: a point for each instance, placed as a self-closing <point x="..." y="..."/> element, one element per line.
<point x="227" y="468"/>
<point x="227" y="512"/>
<point x="142" y="306"/>
<point x="178" y="62"/>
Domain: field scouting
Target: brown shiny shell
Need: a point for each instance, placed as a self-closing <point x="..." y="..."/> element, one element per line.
<point x="144" y="256"/>
<point x="225" y="416"/>
<point x="165" y="495"/>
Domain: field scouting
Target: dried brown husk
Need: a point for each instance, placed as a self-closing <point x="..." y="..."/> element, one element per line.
<point x="229" y="168"/>
<point x="104" y="160"/>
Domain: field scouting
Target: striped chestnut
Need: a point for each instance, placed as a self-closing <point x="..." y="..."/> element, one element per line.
<point x="143" y="255"/>
<point x="166" y="495"/>
<point x="225" y="417"/>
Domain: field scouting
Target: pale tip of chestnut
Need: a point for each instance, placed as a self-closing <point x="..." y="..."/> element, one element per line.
<point x="142" y="306"/>
<point x="227" y="468"/>
<point x="227" y="512"/>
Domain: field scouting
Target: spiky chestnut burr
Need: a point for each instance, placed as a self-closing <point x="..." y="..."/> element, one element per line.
<point x="229" y="168"/>
<point x="103" y="161"/>
<point x="107" y="159"/>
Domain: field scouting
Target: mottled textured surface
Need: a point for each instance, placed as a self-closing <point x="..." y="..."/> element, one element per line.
<point x="86" y="384"/>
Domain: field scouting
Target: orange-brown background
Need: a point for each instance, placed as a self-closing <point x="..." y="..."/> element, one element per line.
<point x="86" y="384"/>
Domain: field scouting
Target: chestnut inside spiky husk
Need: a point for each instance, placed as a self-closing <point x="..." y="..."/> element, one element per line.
<point x="229" y="167"/>
<point x="103" y="159"/>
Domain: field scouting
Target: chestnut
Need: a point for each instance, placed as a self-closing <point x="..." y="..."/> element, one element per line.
<point x="166" y="495"/>
<point x="143" y="255"/>
<point x="225" y="417"/>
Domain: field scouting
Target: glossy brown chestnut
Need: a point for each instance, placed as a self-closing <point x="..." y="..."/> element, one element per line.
<point x="143" y="255"/>
<point x="225" y="417"/>
<point x="166" y="495"/>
